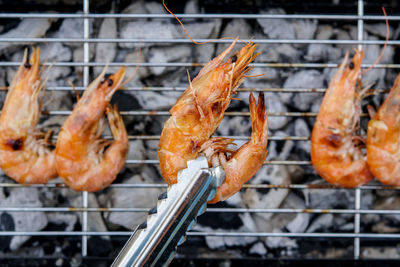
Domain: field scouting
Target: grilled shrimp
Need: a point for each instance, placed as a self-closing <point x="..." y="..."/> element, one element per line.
<point x="383" y="143"/>
<point x="25" y="152"/>
<point x="197" y="114"/>
<point x="84" y="160"/>
<point x="336" y="150"/>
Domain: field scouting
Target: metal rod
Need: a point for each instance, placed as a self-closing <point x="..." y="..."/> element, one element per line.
<point x="185" y="64"/>
<point x="245" y="186"/>
<point x="210" y="210"/>
<point x="200" y="16"/>
<point x="187" y="41"/>
<point x="267" y="162"/>
<point x="166" y="113"/>
<point x="357" y="199"/>
<point x="216" y="234"/>
<point x="145" y="89"/>
<point x="86" y="54"/>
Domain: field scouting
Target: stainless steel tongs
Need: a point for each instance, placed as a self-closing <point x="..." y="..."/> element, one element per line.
<point x="154" y="242"/>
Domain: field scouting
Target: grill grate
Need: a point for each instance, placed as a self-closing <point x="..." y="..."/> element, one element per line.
<point x="86" y="64"/>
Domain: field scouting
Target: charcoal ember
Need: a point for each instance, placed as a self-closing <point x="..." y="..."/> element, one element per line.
<point x="258" y="249"/>
<point x="321" y="223"/>
<point x="27" y="28"/>
<point x="136" y="150"/>
<point x="24" y="221"/>
<point x="156" y="100"/>
<point x="226" y="222"/>
<point x="273" y="103"/>
<point x="379" y="30"/>
<point x="235" y="28"/>
<point x="324" y="32"/>
<point x="106" y="52"/>
<point x="280" y="149"/>
<point x="126" y="101"/>
<point x="240" y="126"/>
<point x="388" y="203"/>
<point x="192" y="7"/>
<point x="277" y="28"/>
<point x="141" y="72"/>
<point x="305" y="29"/>
<point x="323" y="53"/>
<point x="139" y="30"/>
<point x="69" y="221"/>
<point x="6" y="224"/>
<point x="99" y="247"/>
<point x="132" y="198"/>
<point x="78" y="55"/>
<point x="72" y="28"/>
<point x="287" y="243"/>
<point x="300" y="221"/>
<point x="164" y="54"/>
<point x="95" y="219"/>
<point x="328" y="198"/>
<point x="303" y="79"/>
<point x="267" y="198"/>
<point x="301" y="129"/>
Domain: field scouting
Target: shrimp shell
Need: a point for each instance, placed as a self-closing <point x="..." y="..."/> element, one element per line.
<point x="25" y="153"/>
<point x="336" y="153"/>
<point x="383" y="143"/>
<point x="197" y="114"/>
<point x="84" y="160"/>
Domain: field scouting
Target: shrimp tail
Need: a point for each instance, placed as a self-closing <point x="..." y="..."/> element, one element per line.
<point x="259" y="121"/>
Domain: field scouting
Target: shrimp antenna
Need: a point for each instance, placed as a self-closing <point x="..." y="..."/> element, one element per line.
<point x="135" y="70"/>
<point x="187" y="34"/>
<point x="384" y="46"/>
<point x="73" y="89"/>
<point x="47" y="56"/>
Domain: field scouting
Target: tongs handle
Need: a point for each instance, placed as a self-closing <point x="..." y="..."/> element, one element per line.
<point x="154" y="242"/>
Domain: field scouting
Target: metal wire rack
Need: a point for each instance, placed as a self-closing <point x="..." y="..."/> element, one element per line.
<point x="86" y="16"/>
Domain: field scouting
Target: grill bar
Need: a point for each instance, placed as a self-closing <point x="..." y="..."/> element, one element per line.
<point x="166" y="113"/>
<point x="181" y="89"/>
<point x="86" y="35"/>
<point x="357" y="192"/>
<point x="186" y="41"/>
<point x="183" y="64"/>
<point x="200" y="16"/>
<point x="253" y="186"/>
<point x="221" y="234"/>
<point x="214" y="210"/>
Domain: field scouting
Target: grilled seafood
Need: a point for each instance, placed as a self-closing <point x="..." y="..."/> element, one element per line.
<point x="335" y="148"/>
<point x="383" y="144"/>
<point x="84" y="160"/>
<point x="25" y="153"/>
<point x="197" y="114"/>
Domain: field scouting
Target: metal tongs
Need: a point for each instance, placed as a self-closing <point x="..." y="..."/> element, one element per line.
<point x="154" y="242"/>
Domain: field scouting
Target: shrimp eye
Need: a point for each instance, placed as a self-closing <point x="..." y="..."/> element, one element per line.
<point x="27" y="65"/>
<point x="234" y="58"/>
<point x="110" y="82"/>
<point x="351" y="65"/>
<point x="105" y="78"/>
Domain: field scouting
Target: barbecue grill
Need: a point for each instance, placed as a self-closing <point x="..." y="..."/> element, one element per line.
<point x="360" y="238"/>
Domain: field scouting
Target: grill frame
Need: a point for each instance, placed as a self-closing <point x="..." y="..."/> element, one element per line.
<point x="86" y="64"/>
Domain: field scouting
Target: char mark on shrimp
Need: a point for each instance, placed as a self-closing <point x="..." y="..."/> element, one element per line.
<point x="15" y="144"/>
<point x="351" y="65"/>
<point x="334" y="139"/>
